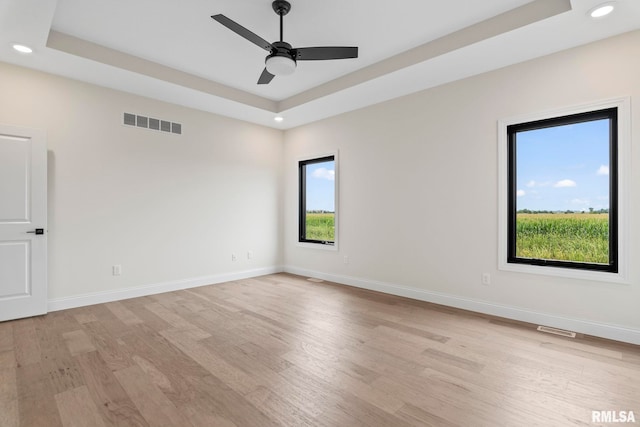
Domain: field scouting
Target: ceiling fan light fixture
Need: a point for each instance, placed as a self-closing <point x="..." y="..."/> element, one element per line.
<point x="280" y="65"/>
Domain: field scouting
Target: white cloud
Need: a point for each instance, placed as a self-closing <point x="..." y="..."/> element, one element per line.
<point x="520" y="193"/>
<point x="531" y="184"/>
<point x="324" y="173"/>
<point x="603" y="170"/>
<point x="565" y="183"/>
<point x="580" y="201"/>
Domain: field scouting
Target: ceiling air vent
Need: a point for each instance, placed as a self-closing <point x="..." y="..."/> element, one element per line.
<point x="135" y="120"/>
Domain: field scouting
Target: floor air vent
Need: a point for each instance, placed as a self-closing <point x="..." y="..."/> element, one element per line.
<point x="135" y="120"/>
<point x="313" y="279"/>
<point x="555" y="331"/>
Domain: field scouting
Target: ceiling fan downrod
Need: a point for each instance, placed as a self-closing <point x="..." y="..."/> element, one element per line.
<point x="281" y="7"/>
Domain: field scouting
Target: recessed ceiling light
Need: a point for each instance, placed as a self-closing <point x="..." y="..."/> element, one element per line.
<point x="278" y="119"/>
<point x="601" y="10"/>
<point x="22" y="48"/>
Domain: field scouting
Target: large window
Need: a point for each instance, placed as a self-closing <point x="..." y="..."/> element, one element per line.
<point x="563" y="191"/>
<point x="317" y="210"/>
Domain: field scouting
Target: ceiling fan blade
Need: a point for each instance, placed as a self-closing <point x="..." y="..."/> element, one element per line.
<point x="265" y="77"/>
<point x="242" y="31"/>
<point x="324" y="52"/>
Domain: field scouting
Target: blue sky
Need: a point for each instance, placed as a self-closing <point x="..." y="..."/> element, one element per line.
<point x="321" y="186"/>
<point x="564" y="167"/>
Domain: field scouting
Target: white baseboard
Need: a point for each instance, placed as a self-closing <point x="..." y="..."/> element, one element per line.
<point x="613" y="332"/>
<point x="140" y="291"/>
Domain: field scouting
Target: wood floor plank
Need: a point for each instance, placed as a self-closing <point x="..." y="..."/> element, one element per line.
<point x="234" y="377"/>
<point x="418" y="417"/>
<point x="218" y="301"/>
<point x="113" y="403"/>
<point x="154" y="406"/>
<point x="127" y="316"/>
<point x="201" y="413"/>
<point x="450" y="358"/>
<point x="36" y="402"/>
<point x="115" y="355"/>
<point x="78" y="342"/>
<point x="259" y="355"/>
<point x="151" y="351"/>
<point x="222" y="331"/>
<point x="515" y="400"/>
<point x="279" y="350"/>
<point x="398" y="328"/>
<point x="226" y="402"/>
<point x="280" y="410"/>
<point x="149" y="319"/>
<point x="345" y="378"/>
<point x="330" y="365"/>
<point x="84" y="315"/>
<point x="6" y="336"/>
<point x="339" y="405"/>
<point x="9" y="416"/>
<point x="77" y="408"/>
<point x="154" y="375"/>
<point x="111" y="323"/>
<point x="430" y="398"/>
<point x="172" y="318"/>
<point x="27" y="349"/>
<point x="382" y="362"/>
<point x="281" y="394"/>
<point x="57" y="363"/>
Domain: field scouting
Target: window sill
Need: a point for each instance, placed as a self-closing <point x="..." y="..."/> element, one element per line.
<point x="320" y="246"/>
<point x="597" y="276"/>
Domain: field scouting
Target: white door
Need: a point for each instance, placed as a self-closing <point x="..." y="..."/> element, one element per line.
<point x="23" y="216"/>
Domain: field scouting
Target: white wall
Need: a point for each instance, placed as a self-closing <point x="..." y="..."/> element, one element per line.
<point x="167" y="208"/>
<point x="418" y="192"/>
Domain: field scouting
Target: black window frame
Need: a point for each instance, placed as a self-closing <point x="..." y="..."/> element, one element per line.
<point x="612" y="115"/>
<point x="302" y="199"/>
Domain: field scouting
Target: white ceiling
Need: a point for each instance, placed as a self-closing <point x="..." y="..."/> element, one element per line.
<point x="173" y="51"/>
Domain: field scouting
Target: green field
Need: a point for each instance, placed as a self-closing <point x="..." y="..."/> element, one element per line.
<point x="579" y="237"/>
<point x="321" y="226"/>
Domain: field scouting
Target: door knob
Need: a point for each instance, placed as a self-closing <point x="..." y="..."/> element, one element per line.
<point x="37" y="231"/>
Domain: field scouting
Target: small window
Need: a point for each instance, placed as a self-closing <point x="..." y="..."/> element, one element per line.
<point x="563" y="191"/>
<point x="317" y="211"/>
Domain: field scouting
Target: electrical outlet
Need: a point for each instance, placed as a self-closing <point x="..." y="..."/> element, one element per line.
<point x="249" y="254"/>
<point x="116" y="270"/>
<point x="486" y="279"/>
<point x="234" y="258"/>
<point x="346" y="259"/>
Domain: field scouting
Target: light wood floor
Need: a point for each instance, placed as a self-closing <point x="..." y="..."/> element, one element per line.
<point x="282" y="351"/>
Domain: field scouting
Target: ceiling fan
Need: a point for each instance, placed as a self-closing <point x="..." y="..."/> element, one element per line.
<point x="282" y="57"/>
